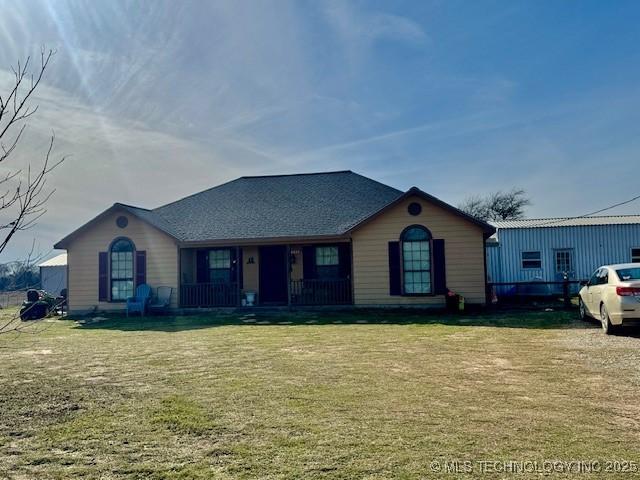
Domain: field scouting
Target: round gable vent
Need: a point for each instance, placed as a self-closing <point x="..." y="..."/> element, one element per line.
<point x="414" y="208"/>
<point x="122" y="221"/>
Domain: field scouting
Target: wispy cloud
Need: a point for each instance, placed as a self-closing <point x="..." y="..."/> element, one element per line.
<point x="358" y="30"/>
<point x="155" y="100"/>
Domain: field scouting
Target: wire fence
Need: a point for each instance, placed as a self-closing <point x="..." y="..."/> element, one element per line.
<point x="533" y="291"/>
<point x="13" y="298"/>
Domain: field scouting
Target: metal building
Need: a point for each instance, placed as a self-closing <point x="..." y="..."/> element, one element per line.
<point x="545" y="249"/>
<point x="53" y="274"/>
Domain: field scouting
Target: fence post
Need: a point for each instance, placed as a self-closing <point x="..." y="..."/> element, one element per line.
<point x="565" y="292"/>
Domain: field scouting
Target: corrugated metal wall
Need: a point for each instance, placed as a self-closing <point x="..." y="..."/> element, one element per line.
<point x="494" y="265"/>
<point x="53" y="279"/>
<point x="591" y="247"/>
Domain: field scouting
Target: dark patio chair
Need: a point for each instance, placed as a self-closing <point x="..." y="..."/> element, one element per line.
<point x="162" y="300"/>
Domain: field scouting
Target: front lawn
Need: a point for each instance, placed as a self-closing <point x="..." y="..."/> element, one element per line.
<point x="351" y="395"/>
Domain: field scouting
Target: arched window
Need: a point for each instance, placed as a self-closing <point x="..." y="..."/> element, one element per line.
<point x="416" y="260"/>
<point x="121" y="269"/>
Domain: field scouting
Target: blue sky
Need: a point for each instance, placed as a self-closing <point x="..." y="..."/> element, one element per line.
<point x="157" y="100"/>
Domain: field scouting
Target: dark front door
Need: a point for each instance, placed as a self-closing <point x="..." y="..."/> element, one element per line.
<point x="273" y="275"/>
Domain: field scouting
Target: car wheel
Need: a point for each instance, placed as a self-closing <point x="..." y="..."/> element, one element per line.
<point x="582" y="309"/>
<point x="607" y="327"/>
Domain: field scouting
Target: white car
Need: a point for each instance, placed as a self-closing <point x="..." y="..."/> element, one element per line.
<point x="612" y="295"/>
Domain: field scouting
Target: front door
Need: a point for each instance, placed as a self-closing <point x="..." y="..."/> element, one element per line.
<point x="563" y="262"/>
<point x="273" y="275"/>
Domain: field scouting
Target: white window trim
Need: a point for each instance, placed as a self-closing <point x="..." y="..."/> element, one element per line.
<point x="522" y="260"/>
<point x="555" y="259"/>
<point x="632" y="256"/>
<point x="429" y="270"/>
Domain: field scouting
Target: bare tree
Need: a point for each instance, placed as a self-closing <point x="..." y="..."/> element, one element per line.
<point x="497" y="206"/>
<point x="22" y="190"/>
<point x="476" y="206"/>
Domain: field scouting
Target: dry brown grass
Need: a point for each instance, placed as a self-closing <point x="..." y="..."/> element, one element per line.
<point x="314" y="396"/>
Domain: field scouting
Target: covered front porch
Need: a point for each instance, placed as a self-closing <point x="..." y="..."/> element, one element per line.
<point x="314" y="274"/>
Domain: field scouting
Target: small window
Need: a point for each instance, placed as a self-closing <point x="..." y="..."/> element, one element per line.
<point x="531" y="260"/>
<point x="220" y="266"/>
<point x="414" y="209"/>
<point x="563" y="261"/>
<point x="327" y="262"/>
<point x="122" y="221"/>
<point x="635" y="255"/>
<point x="121" y="270"/>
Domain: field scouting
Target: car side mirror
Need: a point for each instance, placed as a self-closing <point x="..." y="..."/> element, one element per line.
<point x="584" y="283"/>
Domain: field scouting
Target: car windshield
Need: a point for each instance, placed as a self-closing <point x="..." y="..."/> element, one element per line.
<point x="626" y="274"/>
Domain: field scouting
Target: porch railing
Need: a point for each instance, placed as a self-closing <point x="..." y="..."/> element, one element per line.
<point x="321" y="292"/>
<point x="209" y="295"/>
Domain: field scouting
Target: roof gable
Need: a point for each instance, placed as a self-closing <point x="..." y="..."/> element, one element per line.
<point x="415" y="191"/>
<point x="140" y="213"/>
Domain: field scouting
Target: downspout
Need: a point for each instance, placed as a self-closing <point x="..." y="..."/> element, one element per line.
<point x="487" y="295"/>
<point x="353" y="295"/>
<point x="238" y="267"/>
<point x="179" y="284"/>
<point x="288" y="264"/>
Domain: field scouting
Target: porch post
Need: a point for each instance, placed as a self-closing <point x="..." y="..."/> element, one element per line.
<point x="179" y="284"/>
<point x="352" y="282"/>
<point x="238" y="267"/>
<point x="288" y="256"/>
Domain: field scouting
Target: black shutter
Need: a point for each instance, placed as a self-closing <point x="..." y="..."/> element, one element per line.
<point x="344" y="257"/>
<point x="308" y="262"/>
<point x="202" y="266"/>
<point x="395" y="282"/>
<point x="141" y="267"/>
<point x="103" y="277"/>
<point x="439" y="268"/>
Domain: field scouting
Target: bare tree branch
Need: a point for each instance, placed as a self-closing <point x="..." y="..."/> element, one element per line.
<point x="497" y="206"/>
<point x="22" y="202"/>
<point x="24" y="191"/>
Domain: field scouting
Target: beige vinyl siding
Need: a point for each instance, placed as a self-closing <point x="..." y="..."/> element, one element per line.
<point x="464" y="254"/>
<point x="162" y="260"/>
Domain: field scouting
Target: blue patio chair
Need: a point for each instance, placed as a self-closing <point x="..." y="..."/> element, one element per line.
<point x="162" y="300"/>
<point x="138" y="303"/>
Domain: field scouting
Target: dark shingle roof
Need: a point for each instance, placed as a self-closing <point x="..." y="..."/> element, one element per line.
<point x="279" y="206"/>
<point x="304" y="205"/>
